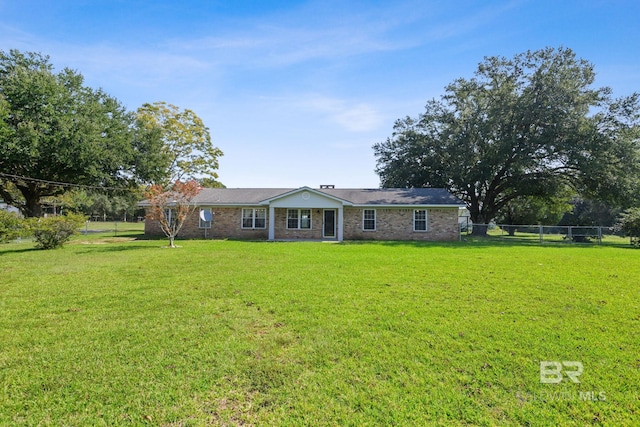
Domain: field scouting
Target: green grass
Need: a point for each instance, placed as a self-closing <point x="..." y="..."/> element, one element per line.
<point x="113" y="332"/>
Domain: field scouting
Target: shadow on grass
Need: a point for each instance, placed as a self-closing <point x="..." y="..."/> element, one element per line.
<point x="519" y="241"/>
<point x="79" y="247"/>
<point x="5" y="251"/>
<point x="471" y="242"/>
<point x="467" y="242"/>
<point x="111" y="247"/>
<point x="106" y="234"/>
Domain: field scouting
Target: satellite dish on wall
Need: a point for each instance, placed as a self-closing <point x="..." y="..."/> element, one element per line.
<point x="206" y="215"/>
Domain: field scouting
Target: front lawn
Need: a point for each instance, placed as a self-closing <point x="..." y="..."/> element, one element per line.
<point x="118" y="332"/>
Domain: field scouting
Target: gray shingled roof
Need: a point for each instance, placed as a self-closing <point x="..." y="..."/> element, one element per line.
<point x="395" y="196"/>
<point x="237" y="196"/>
<point x="380" y="196"/>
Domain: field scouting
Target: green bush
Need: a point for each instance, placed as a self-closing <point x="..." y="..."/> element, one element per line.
<point x="11" y="226"/>
<point x="629" y="225"/>
<point x="55" y="231"/>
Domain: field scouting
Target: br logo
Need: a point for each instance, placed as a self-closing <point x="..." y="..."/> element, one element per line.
<point x="552" y="372"/>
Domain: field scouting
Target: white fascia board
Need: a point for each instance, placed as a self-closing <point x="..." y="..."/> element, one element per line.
<point x="310" y="190"/>
<point x="169" y="204"/>
<point x="230" y="205"/>
<point x="406" y="206"/>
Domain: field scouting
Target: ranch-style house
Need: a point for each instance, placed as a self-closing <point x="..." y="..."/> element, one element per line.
<point x="327" y="213"/>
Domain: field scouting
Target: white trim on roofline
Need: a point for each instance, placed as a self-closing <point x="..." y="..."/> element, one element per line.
<point x="231" y="205"/>
<point x="346" y="204"/>
<point x="405" y="206"/>
<point x="372" y="206"/>
<point x="309" y="189"/>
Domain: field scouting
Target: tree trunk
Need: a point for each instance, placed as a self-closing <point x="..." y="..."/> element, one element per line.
<point x="480" y="218"/>
<point x="172" y="242"/>
<point x="31" y="193"/>
<point x="32" y="206"/>
<point x="480" y="230"/>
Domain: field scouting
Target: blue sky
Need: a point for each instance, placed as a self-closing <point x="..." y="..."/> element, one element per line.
<point x="296" y="92"/>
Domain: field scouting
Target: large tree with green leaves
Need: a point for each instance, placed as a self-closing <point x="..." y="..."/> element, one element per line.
<point x="55" y="129"/>
<point x="186" y="150"/>
<point x="523" y="127"/>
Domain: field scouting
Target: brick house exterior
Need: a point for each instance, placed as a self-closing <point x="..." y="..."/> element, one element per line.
<point x="322" y="214"/>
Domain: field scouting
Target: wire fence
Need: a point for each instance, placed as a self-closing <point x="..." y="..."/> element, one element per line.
<point x="114" y="228"/>
<point x="552" y="234"/>
<point x="506" y="232"/>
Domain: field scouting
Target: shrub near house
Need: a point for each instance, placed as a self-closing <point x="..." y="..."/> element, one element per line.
<point x="54" y="231"/>
<point x="49" y="233"/>
<point x="629" y="225"/>
<point x="11" y="226"/>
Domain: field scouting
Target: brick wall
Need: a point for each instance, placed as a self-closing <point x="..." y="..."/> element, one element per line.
<point x="226" y="224"/>
<point x="397" y="224"/>
<point x="281" y="231"/>
<point x="391" y="224"/>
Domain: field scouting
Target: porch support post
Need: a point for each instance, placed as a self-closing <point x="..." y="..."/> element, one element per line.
<point x="272" y="223"/>
<point x="340" y="223"/>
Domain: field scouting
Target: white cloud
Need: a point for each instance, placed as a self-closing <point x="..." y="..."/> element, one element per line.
<point x="329" y="31"/>
<point x="146" y="67"/>
<point x="14" y="38"/>
<point x="273" y="46"/>
<point x="352" y="116"/>
<point x="315" y="30"/>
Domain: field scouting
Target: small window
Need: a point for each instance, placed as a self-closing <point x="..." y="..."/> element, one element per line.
<point x="299" y="219"/>
<point x="170" y="216"/>
<point x="305" y="219"/>
<point x="260" y="218"/>
<point x="247" y="218"/>
<point x="420" y="220"/>
<point x="205" y="213"/>
<point x="254" y="218"/>
<point x="292" y="218"/>
<point x="369" y="220"/>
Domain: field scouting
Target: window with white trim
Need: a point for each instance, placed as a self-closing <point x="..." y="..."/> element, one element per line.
<point x="369" y="220"/>
<point x="299" y="219"/>
<point x="420" y="220"/>
<point x="305" y="218"/>
<point x="260" y="218"/>
<point x="254" y="218"/>
<point x="203" y="223"/>
<point x="170" y="216"/>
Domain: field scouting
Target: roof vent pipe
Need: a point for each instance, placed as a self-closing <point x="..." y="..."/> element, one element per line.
<point x="327" y="186"/>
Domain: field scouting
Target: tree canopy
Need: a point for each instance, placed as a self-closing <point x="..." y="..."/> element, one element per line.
<point x="54" y="129"/>
<point x="57" y="134"/>
<point x="186" y="150"/>
<point x="528" y="126"/>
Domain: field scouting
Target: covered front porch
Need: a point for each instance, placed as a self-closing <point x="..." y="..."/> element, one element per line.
<point x="306" y="214"/>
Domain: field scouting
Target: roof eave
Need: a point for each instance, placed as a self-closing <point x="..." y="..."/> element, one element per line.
<point x="268" y="201"/>
<point x="405" y="205"/>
